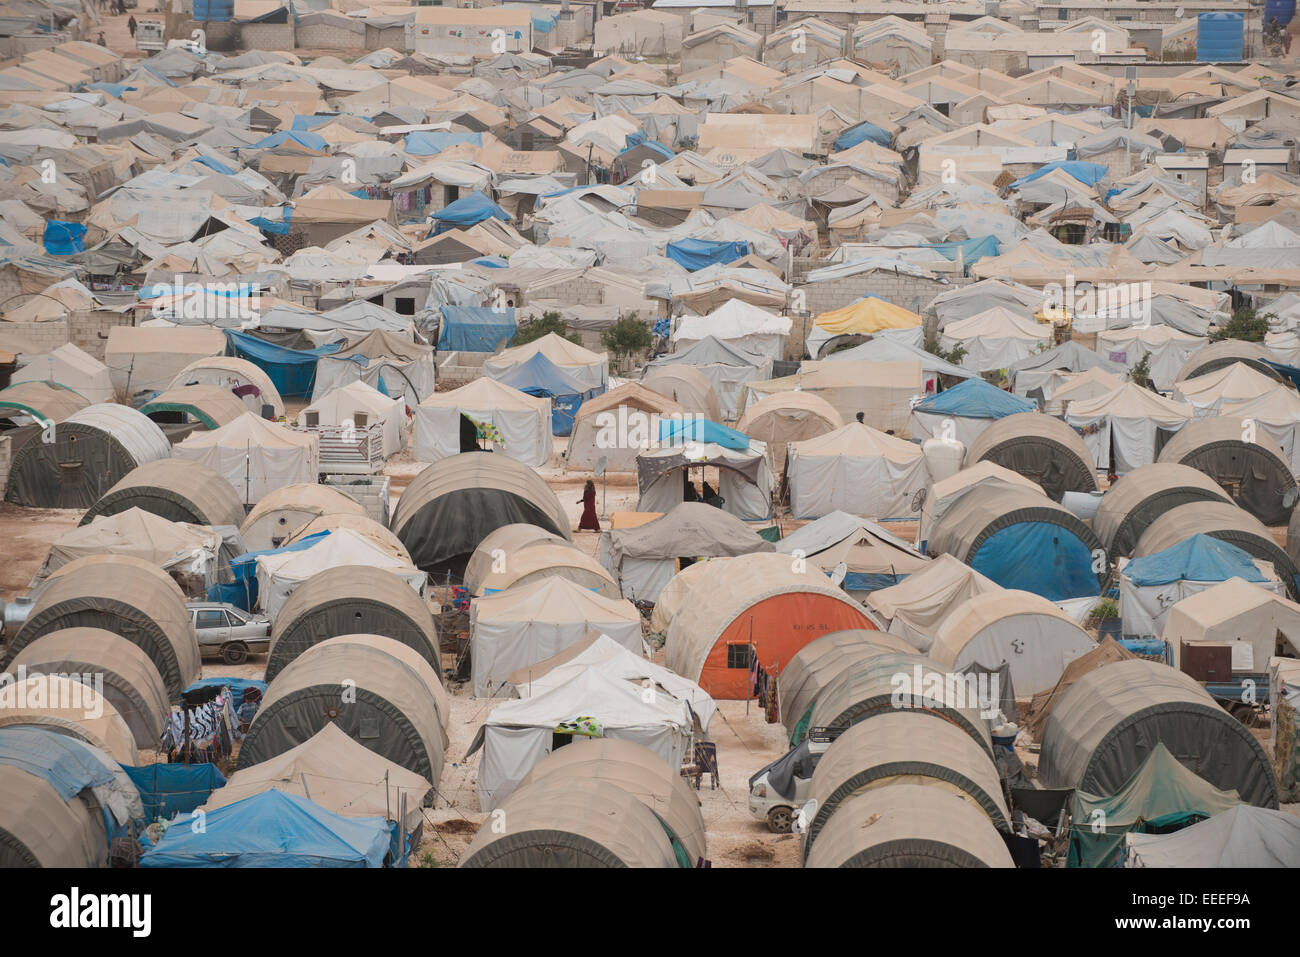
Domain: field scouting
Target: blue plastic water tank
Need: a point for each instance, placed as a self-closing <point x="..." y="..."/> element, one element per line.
<point x="1220" y="37"/>
<point x="1284" y="10"/>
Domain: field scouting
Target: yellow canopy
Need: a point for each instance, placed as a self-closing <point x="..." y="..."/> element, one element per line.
<point x="867" y="315"/>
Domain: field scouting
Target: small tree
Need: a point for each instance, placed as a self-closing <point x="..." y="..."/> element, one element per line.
<point x="953" y="355"/>
<point x="1246" y="324"/>
<point x="533" y="329"/>
<point x="1141" y="372"/>
<point x="627" y="336"/>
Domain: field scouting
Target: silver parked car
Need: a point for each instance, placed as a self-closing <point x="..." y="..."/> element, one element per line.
<point x="228" y="632"/>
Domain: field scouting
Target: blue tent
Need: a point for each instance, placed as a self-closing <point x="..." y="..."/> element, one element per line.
<point x="663" y="152"/>
<point x="311" y="121"/>
<point x="1086" y="173"/>
<point x="863" y="131"/>
<point x="1040" y="557"/>
<point x="210" y="163"/>
<point x="694" y="254"/>
<point x="64" y="239"/>
<point x="431" y="143"/>
<point x="475" y="328"/>
<point x="467" y="211"/>
<point x="171" y="789"/>
<point x="1200" y="558"/>
<point x="541" y="377"/>
<point x="976" y="399"/>
<point x="273" y="829"/>
<point x="312" y="141"/>
<point x="292" y="370"/>
<point x="701" y="430"/>
<point x="492" y="262"/>
<point x="242" y="592"/>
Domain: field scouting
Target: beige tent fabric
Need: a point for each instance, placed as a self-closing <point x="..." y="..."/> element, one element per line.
<point x="1238" y="613"/>
<point x="630" y="408"/>
<point x="881" y="390"/>
<point x="547" y="665"/>
<point x="508" y="540"/>
<point x="1087" y="385"/>
<point x="53" y="403"/>
<point x="139" y="534"/>
<point x="785" y="417"/>
<point x="1237" y="382"/>
<point x="1040" y="708"/>
<point x="220" y="405"/>
<point x="572" y="822"/>
<point x="1229" y="350"/>
<point x="256" y="456"/>
<point x="69" y="706"/>
<point x="230" y="372"/>
<point x="674" y="593"/>
<point x="361" y="524"/>
<point x="335" y="772"/>
<point x="39" y="829"/>
<point x="819" y="662"/>
<point x="287" y="508"/>
<point x="149" y="359"/>
<point x="686" y="386"/>
<point x="1139" y="497"/>
<point x="638" y="771"/>
<point x="909" y="825"/>
<point x="175" y="489"/>
<point x="946" y="493"/>
<point x="545" y="560"/>
<point x="917" y="607"/>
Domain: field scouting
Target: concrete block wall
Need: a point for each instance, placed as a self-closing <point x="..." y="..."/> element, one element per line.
<point x="910" y="292"/>
<point x="45" y="336"/>
<point x="325" y="36"/>
<point x="267" y="36"/>
<point x="88" y="331"/>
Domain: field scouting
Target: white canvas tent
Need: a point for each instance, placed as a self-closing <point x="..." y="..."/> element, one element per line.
<point x="1246" y="616"/>
<point x="587" y="367"/>
<point x="740" y="324"/>
<point x="69" y="366"/>
<point x="996" y="338"/>
<point x="278" y="575"/>
<point x="917" y="607"/>
<point x="523" y="422"/>
<point x="856" y="469"/>
<point x="147" y="359"/>
<point x="1169" y="350"/>
<point x="230" y="372"/>
<point x="360" y="405"/>
<point x="255" y="456"/>
<point x="1130" y="421"/>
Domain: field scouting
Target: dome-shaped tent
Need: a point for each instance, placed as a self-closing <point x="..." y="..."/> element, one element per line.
<point x="126" y="596"/>
<point x="450" y="507"/>
<point x="674" y="593"/>
<point x="615" y="426"/>
<point x="1143" y="495"/>
<point x="38" y="828"/>
<point x="754" y="601"/>
<point x="208" y="406"/>
<point x="173" y="489"/>
<point x="1041" y="448"/>
<point x="243" y="379"/>
<point x="1102" y="729"/>
<point x="90" y="452"/>
<point x="273" y="519"/>
<point x="396" y="705"/>
<point x="688" y="387"/>
<point x="1020" y="539"/>
<point x="904" y="743"/>
<point x="132" y="683"/>
<point x="1224" y="521"/>
<point x="40" y="400"/>
<point x="363" y="525"/>
<point x="1219" y="355"/>
<point x="351" y="600"/>
<point x="547" y="560"/>
<point x="784" y="417"/>
<point x="68" y="707"/>
<point x="1027" y="632"/>
<point x="503" y="542"/>
<point x="909" y="825"/>
<point x="1243" y="460"/>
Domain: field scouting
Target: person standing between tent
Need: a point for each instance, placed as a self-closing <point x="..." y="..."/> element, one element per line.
<point x="589" y="522"/>
<point x="130" y="25"/>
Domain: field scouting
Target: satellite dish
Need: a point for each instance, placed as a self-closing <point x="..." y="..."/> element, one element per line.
<point x="600" y="465"/>
<point x="839" y="574"/>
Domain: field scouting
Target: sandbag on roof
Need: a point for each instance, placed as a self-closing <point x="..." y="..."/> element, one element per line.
<point x="69" y="707"/>
<point x="1041" y="448"/>
<point x="818" y="663"/>
<point x="1040" y="707"/>
<point x="641" y="773"/>
<point x="52" y="403"/>
<point x="909" y="825"/>
<point x="124" y="595"/>
<point x="785" y="608"/>
<point x="508" y="540"/>
<point x="1102" y="728"/>
<point x="563" y="822"/>
<point x="285" y="510"/>
<point x="1217" y="355"/>
<point x="211" y="405"/>
<point x="873" y="753"/>
<point x="92" y="449"/>
<point x="785" y="417"/>
<point x="132" y="683"/>
<point x="1020" y="540"/>
<point x="1135" y="500"/>
<point x="174" y="489"/>
<point x="1030" y="633"/>
<point x="231" y="373"/>
<point x="1224" y="521"/>
<point x="398" y="706"/>
<point x="351" y="599"/>
<point x="1242" y="459"/>
<point x="450" y="507"/>
<point x="547" y="560"/>
<point x="40" y="829"/>
<point x="916" y="607"/>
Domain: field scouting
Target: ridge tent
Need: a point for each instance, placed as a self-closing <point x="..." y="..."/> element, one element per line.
<point x="972" y="406"/>
<point x="1257" y="623"/>
<point x="72" y="368"/>
<point x="615" y="426"/>
<point x="785" y="417"/>
<point x="247" y="381"/>
<point x="255" y="456"/>
<point x="146" y="359"/>
<point x="996" y="339"/>
<point x="1169" y="350"/>
<point x="741" y="324"/>
<point x="589" y="369"/>
<point x="1237" y="382"/>
<point x="726" y="367"/>
<point x="385" y="361"/>
<point x="873" y="558"/>
<point x="1137" y="499"/>
<point x="744" y="478"/>
<point x="1036" y="371"/>
<point x="1084" y="386"/>
<point x="1241" y="836"/>
<point x="281" y="573"/>
<point x="917" y="607"/>
<point x="855" y="469"/>
<point x="360" y="405"/>
<point x="1127" y="429"/>
<point x="539" y="376"/>
<point x="522" y="422"/>
<point x="688" y="387"/>
<point x="1041" y="448"/>
<point x="286" y="509"/>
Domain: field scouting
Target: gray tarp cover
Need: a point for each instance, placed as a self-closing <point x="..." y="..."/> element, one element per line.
<point x="176" y="489"/>
<point x="1242" y="836"/>
<point x="691" y="528"/>
<point x="1041" y="448"/>
<point x="351" y="599"/>
<point x="1255" y="466"/>
<point x="1137" y="499"/>
<point x="1105" y="726"/>
<point x="819" y="662"/>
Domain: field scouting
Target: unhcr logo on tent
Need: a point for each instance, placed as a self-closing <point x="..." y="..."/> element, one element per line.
<point x="1095" y="307"/>
<point x="207" y="302"/>
<point x="925" y="688"/>
<point x="53" y="691"/>
<point x="634" y="429"/>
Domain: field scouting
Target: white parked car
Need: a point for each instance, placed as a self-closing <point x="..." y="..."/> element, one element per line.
<point x="778" y="791"/>
<point x="228" y="632"/>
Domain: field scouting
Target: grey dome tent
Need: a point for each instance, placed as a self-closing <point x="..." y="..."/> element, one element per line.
<point x="397" y="704"/>
<point x="508" y="540"/>
<point x="868" y="688"/>
<point x="1143" y="495"/>
<point x="132" y="682"/>
<point x="909" y="825"/>
<point x="174" y="489"/>
<point x="1039" y="447"/>
<point x="1223" y="521"/>
<point x="91" y="451"/>
<point x="1103" y="728"/>
<point x="1253" y="469"/>
<point x="1225" y="353"/>
<point x="563" y="822"/>
<point x="126" y="596"/>
<point x="641" y="773"/>
<point x="818" y="663"/>
<point x="284" y="510"/>
<point x="40" y="829"/>
<point x="351" y="600"/>
<point x="455" y="503"/>
<point x="899" y="744"/>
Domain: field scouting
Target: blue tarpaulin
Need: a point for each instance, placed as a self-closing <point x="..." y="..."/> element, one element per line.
<point x="1201" y="558"/>
<point x="431" y="142"/>
<point x="702" y="430"/>
<point x="274" y="829"/>
<point x="695" y="254"/>
<point x="237" y="686"/>
<point x="540" y="376"/>
<point x="492" y="262"/>
<point x="242" y="592"/>
<point x="475" y="328"/>
<point x="276" y="227"/>
<point x="663" y="152"/>
<point x="64" y="239"/>
<point x="313" y="141"/>
<point x="310" y="121"/>
<point x="467" y="211"/>
<point x="972" y="250"/>
<point x="218" y="11"/>
<point x="292" y="370"/>
<point x="1086" y="173"/>
<point x="1291" y="372"/>
<point x="171" y="789"/>
<point x="68" y="764"/>
<point x="1040" y="557"/>
<point x="871" y="581"/>
<point x="210" y="163"/>
<point x="976" y="399"/>
<point x="863" y="131"/>
<point x="112" y="89"/>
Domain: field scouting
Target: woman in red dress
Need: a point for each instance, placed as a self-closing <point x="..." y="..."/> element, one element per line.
<point x="589" y="521"/>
